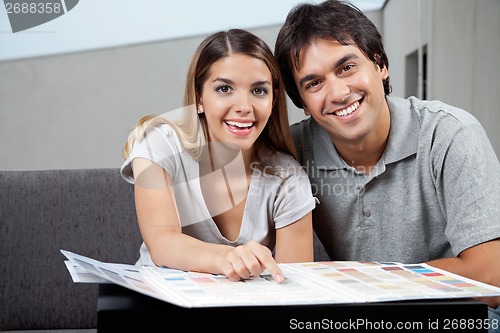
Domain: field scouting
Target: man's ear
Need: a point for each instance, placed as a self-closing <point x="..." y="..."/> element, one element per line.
<point x="383" y="72"/>
<point x="381" y="67"/>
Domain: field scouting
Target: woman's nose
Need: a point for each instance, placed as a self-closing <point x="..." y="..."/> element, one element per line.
<point x="243" y="103"/>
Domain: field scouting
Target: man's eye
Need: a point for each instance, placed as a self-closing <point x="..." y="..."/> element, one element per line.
<point x="312" y="84"/>
<point x="223" y="89"/>
<point x="260" y="91"/>
<point x="346" y="68"/>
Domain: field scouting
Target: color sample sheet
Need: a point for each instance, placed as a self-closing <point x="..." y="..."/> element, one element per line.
<point x="323" y="282"/>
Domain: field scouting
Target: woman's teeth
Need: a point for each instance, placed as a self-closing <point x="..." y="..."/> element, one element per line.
<point x="239" y="125"/>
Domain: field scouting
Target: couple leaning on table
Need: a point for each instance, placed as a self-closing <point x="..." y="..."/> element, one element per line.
<point x="383" y="178"/>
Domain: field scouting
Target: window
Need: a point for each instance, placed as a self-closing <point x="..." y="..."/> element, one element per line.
<point x="411" y="74"/>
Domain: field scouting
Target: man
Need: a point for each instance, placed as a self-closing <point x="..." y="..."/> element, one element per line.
<point x="397" y="179"/>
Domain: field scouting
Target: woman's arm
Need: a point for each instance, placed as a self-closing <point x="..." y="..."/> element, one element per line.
<point x="168" y="246"/>
<point x="294" y="243"/>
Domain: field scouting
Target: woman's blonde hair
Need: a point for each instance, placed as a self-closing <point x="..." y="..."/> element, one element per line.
<point x="276" y="134"/>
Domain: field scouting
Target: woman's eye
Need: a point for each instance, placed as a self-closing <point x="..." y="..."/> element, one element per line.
<point x="223" y="89"/>
<point x="260" y="91"/>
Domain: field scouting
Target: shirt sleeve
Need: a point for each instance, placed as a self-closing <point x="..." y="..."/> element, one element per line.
<point x="159" y="145"/>
<point x="468" y="186"/>
<point x="294" y="198"/>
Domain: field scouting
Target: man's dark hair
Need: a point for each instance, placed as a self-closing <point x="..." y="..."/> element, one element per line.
<point x="332" y="20"/>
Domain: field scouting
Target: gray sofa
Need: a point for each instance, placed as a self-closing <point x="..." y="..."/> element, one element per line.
<point x="90" y="212"/>
<point x="87" y="211"/>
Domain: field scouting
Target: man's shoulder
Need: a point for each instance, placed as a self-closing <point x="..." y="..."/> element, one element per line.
<point x="301" y="126"/>
<point x="434" y="108"/>
<point x="302" y="135"/>
<point x="432" y="114"/>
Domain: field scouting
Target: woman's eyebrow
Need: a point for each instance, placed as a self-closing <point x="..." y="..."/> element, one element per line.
<point x="227" y="81"/>
<point x="260" y="83"/>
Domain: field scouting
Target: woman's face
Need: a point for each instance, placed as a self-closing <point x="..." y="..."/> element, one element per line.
<point x="237" y="100"/>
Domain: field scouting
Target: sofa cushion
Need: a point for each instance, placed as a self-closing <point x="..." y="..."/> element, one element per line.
<point x="86" y="211"/>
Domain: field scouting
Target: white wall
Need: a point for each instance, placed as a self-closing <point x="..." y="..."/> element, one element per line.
<point x="463" y="53"/>
<point x="74" y="110"/>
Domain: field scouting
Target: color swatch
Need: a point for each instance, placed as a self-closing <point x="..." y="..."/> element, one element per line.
<point x="325" y="282"/>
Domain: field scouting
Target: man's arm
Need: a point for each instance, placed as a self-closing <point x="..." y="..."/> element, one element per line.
<point x="480" y="262"/>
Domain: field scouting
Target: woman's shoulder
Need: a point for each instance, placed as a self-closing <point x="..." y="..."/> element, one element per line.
<point x="165" y="129"/>
<point x="164" y="132"/>
<point x="276" y="158"/>
<point x="281" y="163"/>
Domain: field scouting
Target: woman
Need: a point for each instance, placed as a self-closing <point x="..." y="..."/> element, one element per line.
<point x="220" y="190"/>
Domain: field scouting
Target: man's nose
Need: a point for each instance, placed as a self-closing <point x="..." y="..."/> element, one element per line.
<point x="338" y="89"/>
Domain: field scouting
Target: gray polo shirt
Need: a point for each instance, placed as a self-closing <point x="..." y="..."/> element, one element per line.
<point x="434" y="193"/>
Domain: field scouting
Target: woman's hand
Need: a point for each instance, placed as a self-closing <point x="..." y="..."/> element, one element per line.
<point x="249" y="260"/>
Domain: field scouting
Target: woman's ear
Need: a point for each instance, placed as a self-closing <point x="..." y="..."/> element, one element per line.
<point x="306" y="112"/>
<point x="199" y="106"/>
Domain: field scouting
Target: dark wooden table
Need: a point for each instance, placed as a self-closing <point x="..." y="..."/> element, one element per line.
<point x="119" y="308"/>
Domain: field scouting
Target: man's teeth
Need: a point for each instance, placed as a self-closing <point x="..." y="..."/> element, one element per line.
<point x="240" y="125"/>
<point x="347" y="111"/>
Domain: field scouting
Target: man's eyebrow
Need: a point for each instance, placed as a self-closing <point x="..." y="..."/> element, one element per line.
<point x="339" y="63"/>
<point x="345" y="59"/>
<point x="307" y="78"/>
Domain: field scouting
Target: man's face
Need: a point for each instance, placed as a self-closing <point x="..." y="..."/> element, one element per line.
<point x="342" y="90"/>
